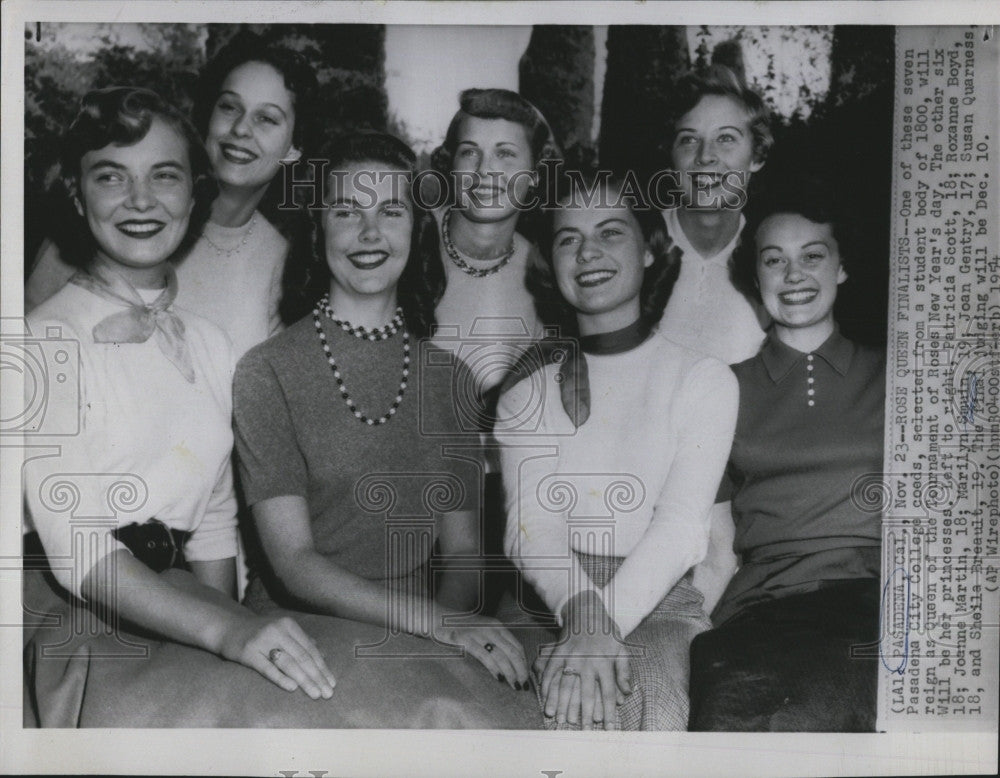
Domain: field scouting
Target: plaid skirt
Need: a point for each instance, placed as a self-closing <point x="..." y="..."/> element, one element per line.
<point x="659" y="652"/>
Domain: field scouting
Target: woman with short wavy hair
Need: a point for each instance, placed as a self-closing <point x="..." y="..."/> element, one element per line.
<point x="154" y="406"/>
<point x="718" y="139"/>
<point x="493" y="160"/>
<point x="252" y="109"/>
<point x="612" y="451"/>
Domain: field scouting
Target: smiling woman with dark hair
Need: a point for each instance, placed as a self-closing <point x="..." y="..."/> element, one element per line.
<point x="342" y="422"/>
<point x="810" y="428"/>
<point x="611" y="457"/>
<point x="252" y="109"/>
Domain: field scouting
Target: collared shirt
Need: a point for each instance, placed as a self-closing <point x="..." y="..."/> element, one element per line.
<point x="810" y="428"/>
<point x="706" y="313"/>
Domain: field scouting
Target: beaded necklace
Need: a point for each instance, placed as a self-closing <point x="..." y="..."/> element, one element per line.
<point x="464" y="266"/>
<point x="360" y="332"/>
<point x="381" y="333"/>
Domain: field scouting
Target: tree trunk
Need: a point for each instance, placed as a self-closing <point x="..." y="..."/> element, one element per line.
<point x="557" y="76"/>
<point x="644" y="63"/>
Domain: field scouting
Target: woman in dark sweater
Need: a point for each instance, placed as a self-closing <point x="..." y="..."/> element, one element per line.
<point x="341" y="422"/>
<point x="810" y="426"/>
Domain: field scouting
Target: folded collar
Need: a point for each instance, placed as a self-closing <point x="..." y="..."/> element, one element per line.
<point x="677" y="238"/>
<point x="779" y="359"/>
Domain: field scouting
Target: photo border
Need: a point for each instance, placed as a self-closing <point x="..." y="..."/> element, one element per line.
<point x="405" y="752"/>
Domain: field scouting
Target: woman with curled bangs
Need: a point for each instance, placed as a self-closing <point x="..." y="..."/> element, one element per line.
<point x="352" y="372"/>
<point x="252" y="106"/>
<point x="154" y="402"/>
<point x="718" y="140"/>
<point x="630" y="428"/>
<point x="493" y="158"/>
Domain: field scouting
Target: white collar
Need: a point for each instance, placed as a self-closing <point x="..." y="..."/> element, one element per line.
<point x="677" y="235"/>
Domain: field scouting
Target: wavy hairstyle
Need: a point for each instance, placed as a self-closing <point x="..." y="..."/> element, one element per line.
<point x="121" y="115"/>
<point x="307" y="274"/>
<point x="300" y="79"/>
<point x="723" y="81"/>
<point x="809" y="197"/>
<point x="500" y="104"/>
<point x="658" y="279"/>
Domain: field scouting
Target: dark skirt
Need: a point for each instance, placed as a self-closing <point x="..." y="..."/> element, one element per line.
<point x="787" y="665"/>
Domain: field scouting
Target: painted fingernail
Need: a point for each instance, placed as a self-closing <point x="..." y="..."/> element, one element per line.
<point x="517" y="685"/>
<point x="501" y="678"/>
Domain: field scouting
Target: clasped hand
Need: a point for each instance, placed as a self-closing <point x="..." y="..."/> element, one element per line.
<point x="585" y="676"/>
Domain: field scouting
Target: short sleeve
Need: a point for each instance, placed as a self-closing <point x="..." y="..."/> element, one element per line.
<point x="56" y="482"/>
<point x="271" y="463"/>
<point x="215" y="537"/>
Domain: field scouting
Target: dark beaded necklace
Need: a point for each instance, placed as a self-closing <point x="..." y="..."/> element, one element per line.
<point x="460" y="263"/>
<point x="382" y="333"/>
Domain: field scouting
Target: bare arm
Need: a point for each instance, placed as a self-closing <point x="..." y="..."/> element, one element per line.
<point x="283" y="527"/>
<point x="177" y="606"/>
<point x="458" y="588"/>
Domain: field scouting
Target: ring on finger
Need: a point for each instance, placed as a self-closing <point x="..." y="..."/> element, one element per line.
<point x="273" y="654"/>
<point x="570" y="671"/>
<point x="489" y="647"/>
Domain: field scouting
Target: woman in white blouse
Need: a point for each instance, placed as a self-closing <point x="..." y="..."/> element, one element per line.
<point x="611" y="458"/>
<point x="252" y="110"/>
<point x="154" y="402"/>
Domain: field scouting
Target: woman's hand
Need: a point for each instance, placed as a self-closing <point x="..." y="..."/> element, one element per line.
<point x="585" y="676"/>
<point x="492" y="644"/>
<point x="280" y="650"/>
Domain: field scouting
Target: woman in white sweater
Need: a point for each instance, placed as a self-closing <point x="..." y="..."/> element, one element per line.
<point x="612" y="455"/>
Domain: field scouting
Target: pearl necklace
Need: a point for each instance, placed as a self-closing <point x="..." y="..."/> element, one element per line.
<point x="460" y="263"/>
<point x="219" y="250"/>
<point x="360" y="332"/>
